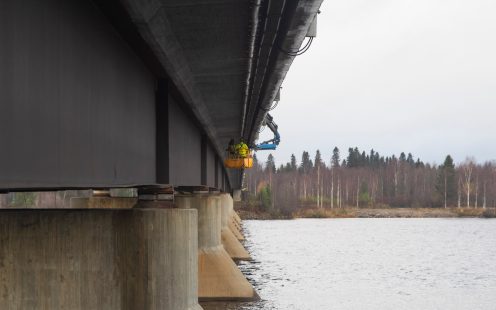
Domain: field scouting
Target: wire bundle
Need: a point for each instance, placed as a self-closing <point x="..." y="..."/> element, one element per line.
<point x="300" y="51"/>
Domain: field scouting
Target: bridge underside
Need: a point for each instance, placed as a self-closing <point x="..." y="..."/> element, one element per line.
<point x="107" y="93"/>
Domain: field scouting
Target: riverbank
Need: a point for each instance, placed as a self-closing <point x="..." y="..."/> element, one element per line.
<point x="255" y="214"/>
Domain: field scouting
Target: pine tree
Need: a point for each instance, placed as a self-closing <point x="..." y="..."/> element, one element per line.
<point x="318" y="166"/>
<point x="255" y="161"/>
<point x="335" y="157"/>
<point x="306" y="163"/>
<point x="410" y="159"/>
<point x="318" y="159"/>
<point x="305" y="168"/>
<point x="446" y="184"/>
<point x="351" y="158"/>
<point x="354" y="157"/>
<point x="293" y="163"/>
<point x="270" y="165"/>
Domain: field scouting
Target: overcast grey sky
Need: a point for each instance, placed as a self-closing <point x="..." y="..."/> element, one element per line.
<point x="416" y="76"/>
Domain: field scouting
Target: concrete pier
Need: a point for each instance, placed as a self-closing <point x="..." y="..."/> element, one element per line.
<point x="237" y="219"/>
<point x="235" y="230"/>
<point x="234" y="221"/>
<point x="231" y="244"/>
<point x="218" y="276"/>
<point x="98" y="259"/>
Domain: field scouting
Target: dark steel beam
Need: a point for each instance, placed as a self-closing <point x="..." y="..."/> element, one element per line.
<point x="203" y="154"/>
<point x="162" y="132"/>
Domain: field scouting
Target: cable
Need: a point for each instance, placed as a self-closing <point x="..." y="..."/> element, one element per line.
<point x="274" y="105"/>
<point x="301" y="51"/>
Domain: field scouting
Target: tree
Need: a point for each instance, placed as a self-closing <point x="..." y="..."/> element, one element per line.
<point x="335" y="157"/>
<point x="293" y="163"/>
<point x="353" y="157"/>
<point x="270" y="165"/>
<point x="306" y="162"/>
<point x="266" y="198"/>
<point x="318" y="165"/>
<point x="379" y="180"/>
<point x="410" y="160"/>
<point x="446" y="184"/>
<point x="318" y="159"/>
<point x="305" y="168"/>
<point x="468" y="168"/>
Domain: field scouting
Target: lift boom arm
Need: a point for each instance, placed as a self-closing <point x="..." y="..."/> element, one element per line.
<point x="272" y="143"/>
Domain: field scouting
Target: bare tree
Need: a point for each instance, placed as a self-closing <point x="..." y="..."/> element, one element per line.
<point x="468" y="168"/>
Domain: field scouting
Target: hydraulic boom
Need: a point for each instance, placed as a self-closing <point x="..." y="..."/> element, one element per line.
<point x="272" y="143"/>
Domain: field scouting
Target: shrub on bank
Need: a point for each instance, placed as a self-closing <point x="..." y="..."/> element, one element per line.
<point x="468" y="212"/>
<point x="489" y="213"/>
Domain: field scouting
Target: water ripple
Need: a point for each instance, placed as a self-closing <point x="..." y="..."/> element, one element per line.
<point x="348" y="264"/>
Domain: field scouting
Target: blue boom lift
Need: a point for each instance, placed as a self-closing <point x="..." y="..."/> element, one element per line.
<point x="272" y="143"/>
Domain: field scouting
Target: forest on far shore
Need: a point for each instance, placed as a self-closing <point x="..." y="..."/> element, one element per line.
<point x="369" y="180"/>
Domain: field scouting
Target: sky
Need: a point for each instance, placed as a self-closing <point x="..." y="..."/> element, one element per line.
<point x="397" y="76"/>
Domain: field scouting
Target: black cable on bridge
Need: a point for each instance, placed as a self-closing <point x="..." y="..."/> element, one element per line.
<point x="300" y="51"/>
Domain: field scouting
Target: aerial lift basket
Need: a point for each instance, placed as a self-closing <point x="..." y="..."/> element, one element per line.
<point x="237" y="162"/>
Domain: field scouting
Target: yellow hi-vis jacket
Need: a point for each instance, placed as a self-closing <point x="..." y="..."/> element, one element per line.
<point x="242" y="149"/>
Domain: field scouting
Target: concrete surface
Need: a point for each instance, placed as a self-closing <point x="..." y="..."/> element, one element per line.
<point x="218" y="276"/>
<point x="231" y="244"/>
<point x="235" y="230"/>
<point x="98" y="259"/>
<point x="236" y="217"/>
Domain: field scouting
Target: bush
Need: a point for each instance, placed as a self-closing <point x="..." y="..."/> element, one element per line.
<point x="489" y="213"/>
<point x="468" y="212"/>
<point x="265" y="198"/>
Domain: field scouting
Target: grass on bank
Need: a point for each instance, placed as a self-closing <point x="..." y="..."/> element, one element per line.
<point x="263" y="207"/>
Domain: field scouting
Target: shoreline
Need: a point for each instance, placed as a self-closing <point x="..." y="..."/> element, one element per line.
<point x="253" y="214"/>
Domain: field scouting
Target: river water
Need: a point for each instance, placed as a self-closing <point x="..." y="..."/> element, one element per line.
<point x="343" y="264"/>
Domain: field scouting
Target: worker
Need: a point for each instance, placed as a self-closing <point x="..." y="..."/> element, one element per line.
<point x="242" y="149"/>
<point x="231" y="148"/>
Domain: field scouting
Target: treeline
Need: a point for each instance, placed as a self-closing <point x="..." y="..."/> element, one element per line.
<point x="370" y="180"/>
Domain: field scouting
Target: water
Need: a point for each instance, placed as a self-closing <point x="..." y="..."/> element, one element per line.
<point x="343" y="264"/>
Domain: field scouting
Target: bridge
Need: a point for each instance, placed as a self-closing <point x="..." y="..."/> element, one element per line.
<point x="114" y="119"/>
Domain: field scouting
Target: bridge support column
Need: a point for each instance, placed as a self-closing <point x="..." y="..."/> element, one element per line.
<point x="237" y="195"/>
<point x="218" y="276"/>
<point x="98" y="259"/>
<point x="234" y="221"/>
<point x="232" y="245"/>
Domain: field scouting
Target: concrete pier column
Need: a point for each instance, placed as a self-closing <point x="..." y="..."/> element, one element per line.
<point x="98" y="259"/>
<point x="236" y="217"/>
<point x="231" y="244"/>
<point x="234" y="221"/>
<point x="218" y="276"/>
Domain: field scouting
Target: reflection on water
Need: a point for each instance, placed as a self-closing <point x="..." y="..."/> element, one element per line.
<point x="381" y="264"/>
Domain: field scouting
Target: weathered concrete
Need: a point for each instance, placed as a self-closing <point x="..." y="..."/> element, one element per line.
<point x="236" y="217"/>
<point x="236" y="231"/>
<point x="98" y="259"/>
<point x="103" y="203"/>
<point x="237" y="195"/>
<point x="234" y="224"/>
<point x="231" y="244"/>
<point x="218" y="276"/>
